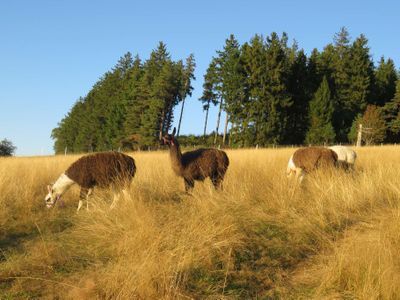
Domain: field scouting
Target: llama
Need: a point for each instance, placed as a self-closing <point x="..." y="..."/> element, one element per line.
<point x="198" y="164"/>
<point x="104" y="169"/>
<point x="346" y="156"/>
<point x="306" y="160"/>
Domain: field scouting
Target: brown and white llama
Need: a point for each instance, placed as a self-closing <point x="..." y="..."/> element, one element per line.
<point x="198" y="164"/>
<point x="103" y="170"/>
<point x="346" y="156"/>
<point x="306" y="160"/>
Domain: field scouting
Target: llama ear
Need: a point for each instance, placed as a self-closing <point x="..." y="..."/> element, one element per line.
<point x="49" y="188"/>
<point x="174" y="131"/>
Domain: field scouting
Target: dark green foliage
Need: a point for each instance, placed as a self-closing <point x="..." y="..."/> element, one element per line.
<point x="362" y="72"/>
<point x="264" y="86"/>
<point x="7" y="148"/>
<point x="321" y="110"/>
<point x="186" y="79"/>
<point x="300" y="86"/>
<point x="385" y="82"/>
<point x="276" y="100"/>
<point x="129" y="107"/>
<point x="210" y="95"/>
<point x="391" y="112"/>
<point x="251" y="83"/>
<point x="195" y="141"/>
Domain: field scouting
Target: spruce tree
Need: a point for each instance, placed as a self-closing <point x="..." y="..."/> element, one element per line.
<point x="299" y="84"/>
<point x="209" y="95"/>
<point x="186" y="84"/>
<point x="385" y="82"/>
<point x="232" y="81"/>
<point x="361" y="76"/>
<point x="254" y="61"/>
<point x="133" y="104"/>
<point x="277" y="99"/>
<point x="321" y="111"/>
<point x="391" y="113"/>
<point x="341" y="75"/>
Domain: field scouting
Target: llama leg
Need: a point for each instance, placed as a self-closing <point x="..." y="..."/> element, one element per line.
<point x="300" y="174"/>
<point x="82" y="195"/>
<point x="217" y="182"/>
<point x="90" y="191"/>
<point x="125" y="192"/>
<point x="125" y="188"/>
<point x="79" y="204"/>
<point x="115" y="200"/>
<point x="189" y="184"/>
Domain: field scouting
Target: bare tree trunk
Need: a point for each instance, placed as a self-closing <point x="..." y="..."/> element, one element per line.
<point x="180" y="118"/>
<point x="256" y="131"/>
<point x="225" y="129"/>
<point x="167" y="124"/>
<point x="160" y="135"/>
<point x="218" y="120"/>
<point x="231" y="133"/>
<point x="205" y="122"/>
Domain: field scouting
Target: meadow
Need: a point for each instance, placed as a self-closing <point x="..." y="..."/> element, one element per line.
<point x="337" y="236"/>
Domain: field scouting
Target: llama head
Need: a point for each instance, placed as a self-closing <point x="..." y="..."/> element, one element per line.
<point x="52" y="196"/>
<point x="57" y="189"/>
<point x="169" y="139"/>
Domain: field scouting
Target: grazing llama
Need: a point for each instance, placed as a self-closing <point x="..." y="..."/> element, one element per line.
<point x="103" y="170"/>
<point x="306" y="160"/>
<point x="346" y="156"/>
<point x="198" y="164"/>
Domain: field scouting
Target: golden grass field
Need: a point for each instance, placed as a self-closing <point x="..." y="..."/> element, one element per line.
<point x="264" y="237"/>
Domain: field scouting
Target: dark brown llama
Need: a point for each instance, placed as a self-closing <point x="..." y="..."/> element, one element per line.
<point x="198" y="164"/>
<point x="103" y="170"/>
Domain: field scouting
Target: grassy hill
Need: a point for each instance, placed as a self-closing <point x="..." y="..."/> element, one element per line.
<point x="263" y="237"/>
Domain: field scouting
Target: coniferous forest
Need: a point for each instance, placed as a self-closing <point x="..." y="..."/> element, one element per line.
<point x="273" y="93"/>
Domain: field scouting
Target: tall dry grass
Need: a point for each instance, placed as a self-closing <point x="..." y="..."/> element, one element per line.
<point x="262" y="237"/>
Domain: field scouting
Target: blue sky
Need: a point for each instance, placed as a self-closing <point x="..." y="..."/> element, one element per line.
<point x="52" y="52"/>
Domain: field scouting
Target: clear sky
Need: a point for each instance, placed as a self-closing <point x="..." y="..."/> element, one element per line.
<point x="52" y="52"/>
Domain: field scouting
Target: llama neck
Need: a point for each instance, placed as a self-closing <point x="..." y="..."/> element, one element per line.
<point x="62" y="184"/>
<point x="176" y="157"/>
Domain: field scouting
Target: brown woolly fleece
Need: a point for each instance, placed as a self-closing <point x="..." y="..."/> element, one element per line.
<point x="102" y="169"/>
<point x="198" y="164"/>
<point x="312" y="158"/>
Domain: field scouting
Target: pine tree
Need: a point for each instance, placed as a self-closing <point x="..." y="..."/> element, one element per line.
<point x="133" y="105"/>
<point x="254" y="61"/>
<point x="128" y="106"/>
<point x="361" y="76"/>
<point x="186" y="87"/>
<point x="341" y="75"/>
<point x="299" y="84"/>
<point x="321" y="111"/>
<point x="277" y="99"/>
<point x="232" y="81"/>
<point x="210" y="95"/>
<point x="385" y="82"/>
<point x="391" y="113"/>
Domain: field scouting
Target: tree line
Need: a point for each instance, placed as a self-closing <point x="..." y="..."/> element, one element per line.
<point x="272" y="93"/>
<point x="130" y="106"/>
